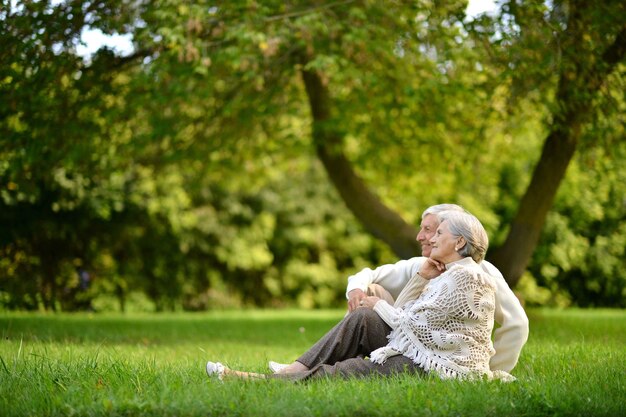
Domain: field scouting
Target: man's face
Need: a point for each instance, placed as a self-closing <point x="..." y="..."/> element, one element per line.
<point x="427" y="231"/>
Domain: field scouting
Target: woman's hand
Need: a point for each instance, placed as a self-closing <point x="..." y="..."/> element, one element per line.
<point x="369" y="302"/>
<point x="354" y="298"/>
<point x="431" y="269"/>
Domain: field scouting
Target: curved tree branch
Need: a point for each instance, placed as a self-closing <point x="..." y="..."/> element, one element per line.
<point x="374" y="215"/>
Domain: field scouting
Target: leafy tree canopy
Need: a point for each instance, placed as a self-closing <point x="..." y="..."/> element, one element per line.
<point x="192" y="169"/>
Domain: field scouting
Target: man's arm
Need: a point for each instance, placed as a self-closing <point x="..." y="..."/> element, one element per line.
<point x="392" y="277"/>
<point x="512" y="334"/>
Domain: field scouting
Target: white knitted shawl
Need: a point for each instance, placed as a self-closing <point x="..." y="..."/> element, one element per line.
<point x="448" y="328"/>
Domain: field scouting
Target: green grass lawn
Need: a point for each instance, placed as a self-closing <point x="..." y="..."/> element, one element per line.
<point x="92" y="364"/>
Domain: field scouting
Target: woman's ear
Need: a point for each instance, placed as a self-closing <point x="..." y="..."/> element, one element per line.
<point x="460" y="243"/>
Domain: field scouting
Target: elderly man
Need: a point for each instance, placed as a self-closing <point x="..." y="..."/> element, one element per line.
<point x="395" y="283"/>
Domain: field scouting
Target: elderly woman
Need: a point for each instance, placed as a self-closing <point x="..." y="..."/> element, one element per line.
<point x="445" y="329"/>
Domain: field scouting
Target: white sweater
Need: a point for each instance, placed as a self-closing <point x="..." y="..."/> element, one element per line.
<point x="509" y="338"/>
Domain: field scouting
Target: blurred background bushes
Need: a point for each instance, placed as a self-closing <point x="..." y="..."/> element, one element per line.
<point x="183" y="174"/>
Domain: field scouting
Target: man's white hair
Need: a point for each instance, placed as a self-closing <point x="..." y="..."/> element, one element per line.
<point x="440" y="208"/>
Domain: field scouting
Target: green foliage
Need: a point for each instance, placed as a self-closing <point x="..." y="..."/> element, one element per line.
<point x="91" y="364"/>
<point x="585" y="243"/>
<point x="290" y="240"/>
<point x="185" y="171"/>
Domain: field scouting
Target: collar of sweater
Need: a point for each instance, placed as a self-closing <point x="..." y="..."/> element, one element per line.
<point x="467" y="261"/>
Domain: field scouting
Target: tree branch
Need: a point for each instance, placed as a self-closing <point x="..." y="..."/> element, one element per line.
<point x="308" y="11"/>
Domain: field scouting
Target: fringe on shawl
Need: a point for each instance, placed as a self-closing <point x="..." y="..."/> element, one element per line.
<point x="406" y="347"/>
<point x="428" y="364"/>
<point x="401" y="343"/>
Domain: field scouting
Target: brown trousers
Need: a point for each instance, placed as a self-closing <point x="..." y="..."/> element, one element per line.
<point x="342" y="351"/>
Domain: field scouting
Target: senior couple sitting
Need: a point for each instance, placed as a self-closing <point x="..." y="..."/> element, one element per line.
<point x="429" y="314"/>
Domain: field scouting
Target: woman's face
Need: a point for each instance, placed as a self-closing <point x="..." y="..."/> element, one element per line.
<point x="443" y="245"/>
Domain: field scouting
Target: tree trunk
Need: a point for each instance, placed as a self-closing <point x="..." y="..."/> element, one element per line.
<point x="575" y="98"/>
<point x="525" y="229"/>
<point x="374" y="215"/>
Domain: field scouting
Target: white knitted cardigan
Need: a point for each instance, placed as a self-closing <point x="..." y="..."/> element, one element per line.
<point x="448" y="328"/>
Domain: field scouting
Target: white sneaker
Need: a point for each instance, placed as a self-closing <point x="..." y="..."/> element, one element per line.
<point x="215" y="369"/>
<point x="277" y="367"/>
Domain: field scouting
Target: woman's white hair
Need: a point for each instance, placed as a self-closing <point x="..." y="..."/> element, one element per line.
<point x="466" y="225"/>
